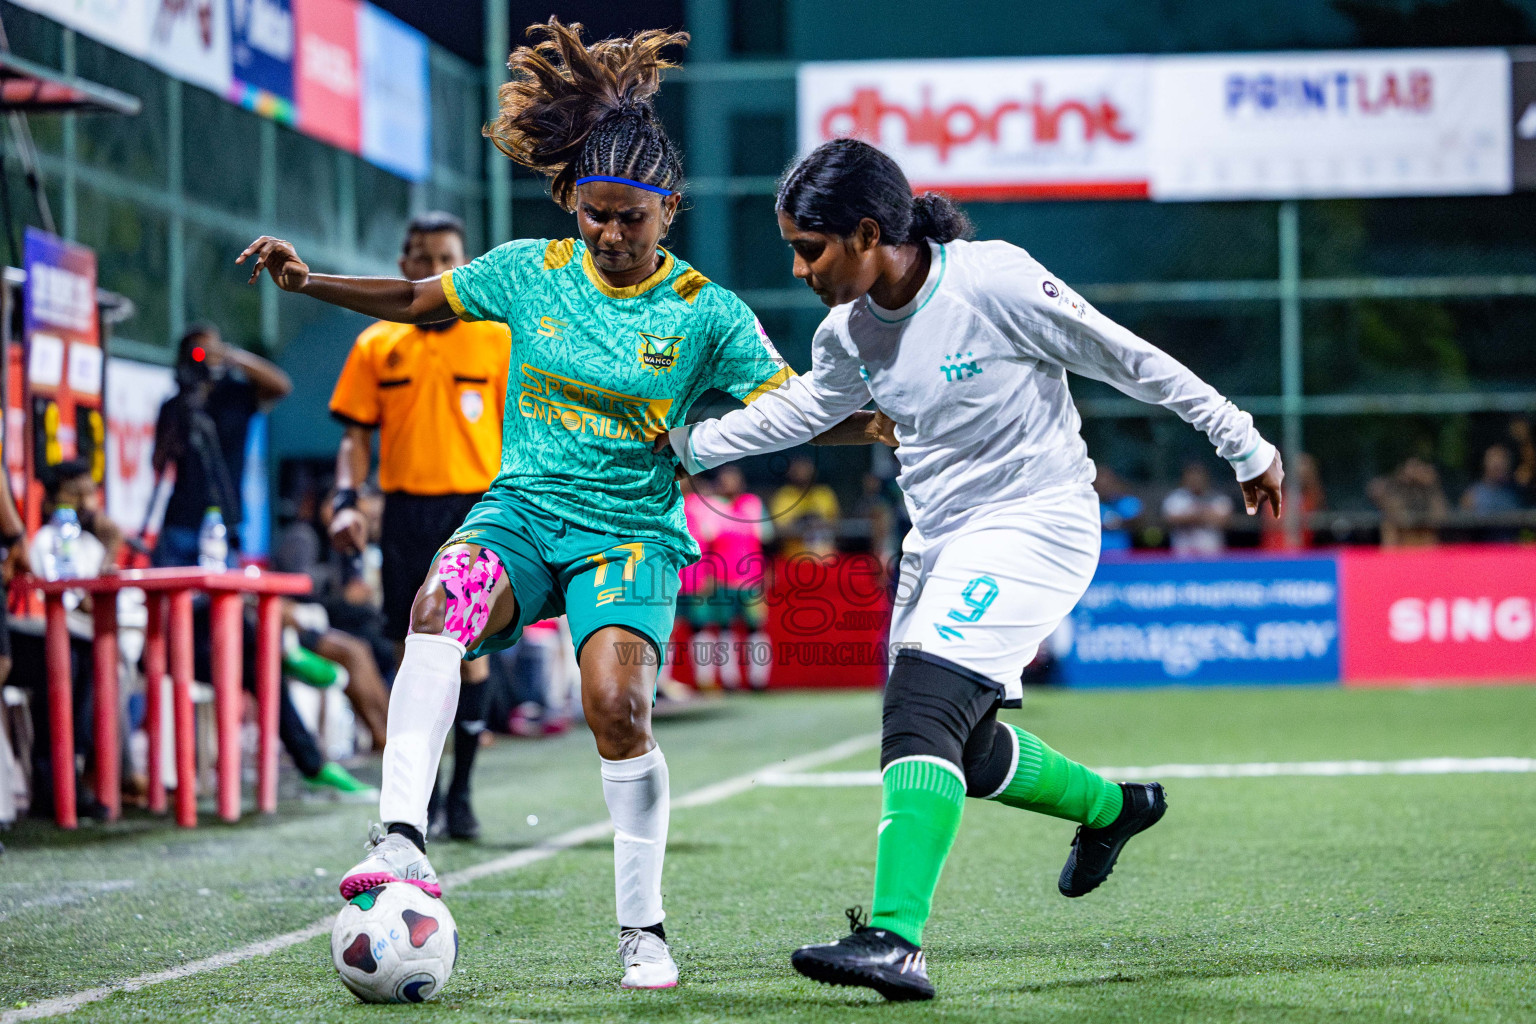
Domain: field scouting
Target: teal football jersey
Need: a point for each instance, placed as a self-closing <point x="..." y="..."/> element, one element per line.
<point x="598" y="372"/>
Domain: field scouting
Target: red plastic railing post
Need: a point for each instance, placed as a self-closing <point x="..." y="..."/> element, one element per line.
<point x="109" y="786"/>
<point x="224" y="628"/>
<point x="181" y="705"/>
<point x="269" y="657"/>
<point x="61" y="722"/>
<point x="154" y="680"/>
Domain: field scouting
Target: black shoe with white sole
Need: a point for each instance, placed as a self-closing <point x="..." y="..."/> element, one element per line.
<point x="871" y="957"/>
<point x="1094" y="850"/>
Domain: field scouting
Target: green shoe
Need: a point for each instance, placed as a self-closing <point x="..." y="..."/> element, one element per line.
<point x="336" y="783"/>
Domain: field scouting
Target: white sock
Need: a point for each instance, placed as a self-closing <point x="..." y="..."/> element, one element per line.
<point x="421" y="708"/>
<point x="638" y="802"/>
<point x="704" y="669"/>
<point x="759" y="659"/>
<point x="730" y="672"/>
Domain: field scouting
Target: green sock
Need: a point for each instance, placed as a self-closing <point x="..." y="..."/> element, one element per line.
<point x="1046" y="782"/>
<point x="918" y="822"/>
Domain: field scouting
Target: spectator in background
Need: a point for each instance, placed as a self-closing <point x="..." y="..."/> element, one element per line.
<point x="739" y="530"/>
<point x="1309" y="488"/>
<point x="877" y="509"/>
<point x="1523" y="444"/>
<point x="1412" y="504"/>
<point x="1494" y="493"/>
<point x="805" y="512"/>
<point x="1196" y="515"/>
<point x="13" y="559"/>
<point x="201" y="432"/>
<point x="1119" y="510"/>
<point x="697" y="582"/>
<point x="68" y="485"/>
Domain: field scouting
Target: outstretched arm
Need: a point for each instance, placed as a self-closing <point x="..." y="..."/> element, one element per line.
<point x="794" y="413"/>
<point x="1055" y="323"/>
<point x="383" y="298"/>
<point x="1110" y="353"/>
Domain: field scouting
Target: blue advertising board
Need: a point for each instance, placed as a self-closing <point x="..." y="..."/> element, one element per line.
<point x="1177" y="621"/>
<point x="396" y="96"/>
<point x="261" y="52"/>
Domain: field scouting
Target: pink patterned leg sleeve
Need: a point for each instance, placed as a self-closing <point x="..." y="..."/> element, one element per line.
<point x="468" y="583"/>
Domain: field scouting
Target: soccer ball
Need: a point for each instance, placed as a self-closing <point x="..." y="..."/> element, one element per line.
<point x="394" y="944"/>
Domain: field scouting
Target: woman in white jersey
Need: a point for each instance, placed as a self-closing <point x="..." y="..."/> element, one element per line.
<point x="966" y="347"/>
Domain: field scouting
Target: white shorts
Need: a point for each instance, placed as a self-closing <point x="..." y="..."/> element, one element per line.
<point x="986" y="595"/>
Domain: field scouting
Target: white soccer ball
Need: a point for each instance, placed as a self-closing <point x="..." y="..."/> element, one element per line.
<point x="394" y="944"/>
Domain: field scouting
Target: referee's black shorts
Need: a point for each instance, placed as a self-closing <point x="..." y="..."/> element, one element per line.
<point x="415" y="526"/>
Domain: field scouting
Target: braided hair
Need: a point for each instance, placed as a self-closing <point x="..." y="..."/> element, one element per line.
<point x="573" y="110"/>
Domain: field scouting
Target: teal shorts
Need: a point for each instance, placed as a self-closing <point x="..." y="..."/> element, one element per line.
<point x="594" y="579"/>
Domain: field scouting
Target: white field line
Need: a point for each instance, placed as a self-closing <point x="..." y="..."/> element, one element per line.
<point x="1251" y="770"/>
<point x="714" y="793"/>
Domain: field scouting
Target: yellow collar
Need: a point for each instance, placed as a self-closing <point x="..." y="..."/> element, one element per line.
<point x="635" y="289"/>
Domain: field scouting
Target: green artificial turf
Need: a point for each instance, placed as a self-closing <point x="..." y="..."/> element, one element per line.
<point x="1273" y="899"/>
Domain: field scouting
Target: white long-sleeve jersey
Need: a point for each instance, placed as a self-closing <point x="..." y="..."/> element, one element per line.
<point x="973" y="372"/>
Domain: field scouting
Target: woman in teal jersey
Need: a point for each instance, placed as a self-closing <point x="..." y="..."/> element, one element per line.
<point x="613" y="338"/>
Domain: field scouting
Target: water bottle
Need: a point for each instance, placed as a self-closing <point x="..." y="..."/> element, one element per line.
<point x="66" y="545"/>
<point x="213" y="542"/>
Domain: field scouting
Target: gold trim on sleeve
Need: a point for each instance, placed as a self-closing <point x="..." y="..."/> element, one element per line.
<point x="452" y="295"/>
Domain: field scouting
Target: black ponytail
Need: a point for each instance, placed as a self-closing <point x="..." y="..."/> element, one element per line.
<point x="844" y="181"/>
<point x="937" y="217"/>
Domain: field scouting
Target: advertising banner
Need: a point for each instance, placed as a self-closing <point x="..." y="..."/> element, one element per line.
<point x="135" y="392"/>
<point x="396" y="99"/>
<point x="261" y="51"/>
<point x="1523" y="117"/>
<point x="63" y="341"/>
<point x="1069" y="127"/>
<point x="121" y="24"/>
<point x="1186" y="621"/>
<point x="326" y="74"/>
<point x="189" y="40"/>
<point x="1453" y="613"/>
<point x="1311" y="125"/>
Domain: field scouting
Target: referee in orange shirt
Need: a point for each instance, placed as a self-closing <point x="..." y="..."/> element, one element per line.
<point x="435" y="393"/>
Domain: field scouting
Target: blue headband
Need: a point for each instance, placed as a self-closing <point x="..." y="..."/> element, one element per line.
<point x="625" y="181"/>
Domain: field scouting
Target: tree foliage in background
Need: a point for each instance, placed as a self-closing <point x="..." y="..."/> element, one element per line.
<point x="1455" y="23"/>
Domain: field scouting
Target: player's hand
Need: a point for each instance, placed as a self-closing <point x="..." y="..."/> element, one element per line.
<point x="883" y="429"/>
<point x="349" y="531"/>
<point x="279" y="259"/>
<point x="1267" y="486"/>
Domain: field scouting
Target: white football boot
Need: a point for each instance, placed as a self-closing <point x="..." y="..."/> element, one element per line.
<point x="647" y="961"/>
<point x="391" y="858"/>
